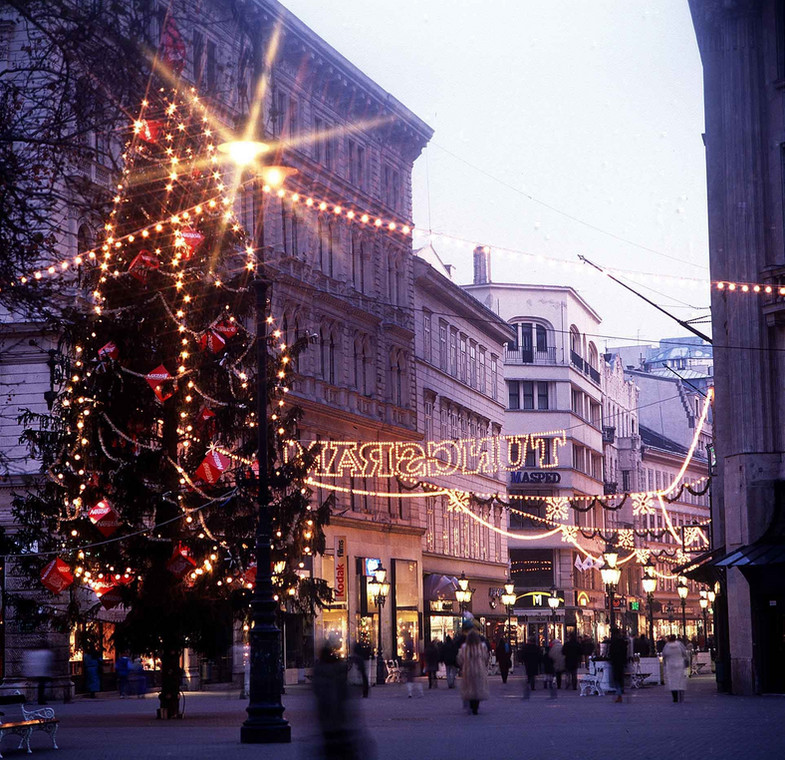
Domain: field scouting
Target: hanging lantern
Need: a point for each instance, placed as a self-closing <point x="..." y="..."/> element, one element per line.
<point x="193" y="239"/>
<point x="213" y="341"/>
<point x="212" y="467"/>
<point x="159" y="380"/>
<point x="57" y="576"/>
<point x="143" y="264"/>
<point x="180" y="563"/>
<point x="103" y="516"/>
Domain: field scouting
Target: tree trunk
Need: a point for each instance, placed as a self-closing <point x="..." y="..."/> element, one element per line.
<point x="171" y="675"/>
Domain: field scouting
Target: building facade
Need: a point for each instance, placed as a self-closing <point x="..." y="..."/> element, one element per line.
<point x="742" y="49"/>
<point x="553" y="390"/>
<point x="459" y="344"/>
<point x="337" y="277"/>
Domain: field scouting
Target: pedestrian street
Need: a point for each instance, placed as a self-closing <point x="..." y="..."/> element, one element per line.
<point x="646" y="725"/>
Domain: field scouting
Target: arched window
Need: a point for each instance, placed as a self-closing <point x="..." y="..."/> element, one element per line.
<point x="84" y="239"/>
<point x="397" y="377"/>
<point x="532" y="344"/>
<point x="593" y="355"/>
<point x="327" y="354"/>
<point x="362" y="373"/>
<point x="575" y="340"/>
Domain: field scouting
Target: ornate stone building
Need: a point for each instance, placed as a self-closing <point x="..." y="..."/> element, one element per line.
<point x="742" y="48"/>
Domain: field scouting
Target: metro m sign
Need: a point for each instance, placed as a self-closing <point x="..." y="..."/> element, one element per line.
<point x="341" y="570"/>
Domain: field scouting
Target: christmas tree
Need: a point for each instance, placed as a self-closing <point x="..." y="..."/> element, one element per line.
<point x="150" y="491"/>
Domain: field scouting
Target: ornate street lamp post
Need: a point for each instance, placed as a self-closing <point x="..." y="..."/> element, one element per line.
<point x="682" y="589"/>
<point x="670" y="611"/>
<point x="265" y="722"/>
<point x="463" y="593"/>
<point x="649" y="583"/>
<point x="379" y="589"/>
<point x="610" y="577"/>
<point x="704" y="603"/>
<point x="553" y="603"/>
<point x="508" y="600"/>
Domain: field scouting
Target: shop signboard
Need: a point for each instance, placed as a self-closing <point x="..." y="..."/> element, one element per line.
<point x="341" y="570"/>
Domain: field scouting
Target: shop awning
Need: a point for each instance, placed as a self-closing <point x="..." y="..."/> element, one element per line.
<point x="439" y="587"/>
<point x="757" y="554"/>
<point x="703" y="568"/>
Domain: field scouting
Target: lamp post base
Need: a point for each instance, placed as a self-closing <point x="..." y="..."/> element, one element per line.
<point x="266" y="732"/>
<point x="381" y="671"/>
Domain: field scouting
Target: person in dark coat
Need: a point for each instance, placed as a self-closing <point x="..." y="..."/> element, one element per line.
<point x="333" y="707"/>
<point x="503" y="657"/>
<point x="643" y="646"/>
<point x="617" y="654"/>
<point x="531" y="657"/>
<point x="361" y="653"/>
<point x="433" y="657"/>
<point x="572" y="659"/>
<point x="587" y="648"/>
<point x="450" y="660"/>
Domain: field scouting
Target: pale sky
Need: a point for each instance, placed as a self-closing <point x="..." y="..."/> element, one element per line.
<point x="593" y="107"/>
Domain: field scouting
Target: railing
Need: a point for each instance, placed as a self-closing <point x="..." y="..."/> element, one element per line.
<point x="583" y="366"/>
<point x="530" y="355"/>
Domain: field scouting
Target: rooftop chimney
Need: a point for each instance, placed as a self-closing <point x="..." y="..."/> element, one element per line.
<point x="482" y="264"/>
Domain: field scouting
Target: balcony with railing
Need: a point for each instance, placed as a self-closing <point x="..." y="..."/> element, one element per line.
<point x="521" y="355"/>
<point x="582" y="365"/>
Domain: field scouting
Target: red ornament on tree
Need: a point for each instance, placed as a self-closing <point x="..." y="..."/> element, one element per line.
<point x="109" y="351"/>
<point x="249" y="576"/>
<point x="180" y="563"/>
<point x="226" y="327"/>
<point x="104" y="518"/>
<point x="212" y="467"/>
<point x="160" y="381"/>
<point x="213" y="341"/>
<point x="110" y="593"/>
<point x="57" y="576"/>
<point x="149" y="129"/>
<point x="193" y="239"/>
<point x="143" y="264"/>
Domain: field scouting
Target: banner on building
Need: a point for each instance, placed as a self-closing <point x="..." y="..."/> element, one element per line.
<point x="341" y="569"/>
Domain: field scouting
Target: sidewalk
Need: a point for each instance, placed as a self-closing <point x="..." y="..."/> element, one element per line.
<point x="646" y="726"/>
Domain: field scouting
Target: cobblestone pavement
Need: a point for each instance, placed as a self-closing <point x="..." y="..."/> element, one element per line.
<point x="646" y="725"/>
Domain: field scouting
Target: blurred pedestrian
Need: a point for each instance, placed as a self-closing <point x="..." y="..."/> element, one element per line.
<point x="572" y="659"/>
<point x="617" y="654"/>
<point x="361" y="654"/>
<point x="122" y="669"/>
<point x="338" y="723"/>
<point x="450" y="659"/>
<point x="92" y="676"/>
<point x="675" y="661"/>
<point x="503" y="657"/>
<point x="38" y="666"/>
<point x="409" y="665"/>
<point x="473" y="659"/>
<point x="531" y="657"/>
<point x="548" y="670"/>
<point x="587" y="649"/>
<point x="433" y="657"/>
<point x="557" y="657"/>
<point x="137" y="678"/>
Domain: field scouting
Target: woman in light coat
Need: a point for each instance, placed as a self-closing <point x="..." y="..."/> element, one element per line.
<point x="473" y="660"/>
<point x="674" y="657"/>
<point x="557" y="656"/>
